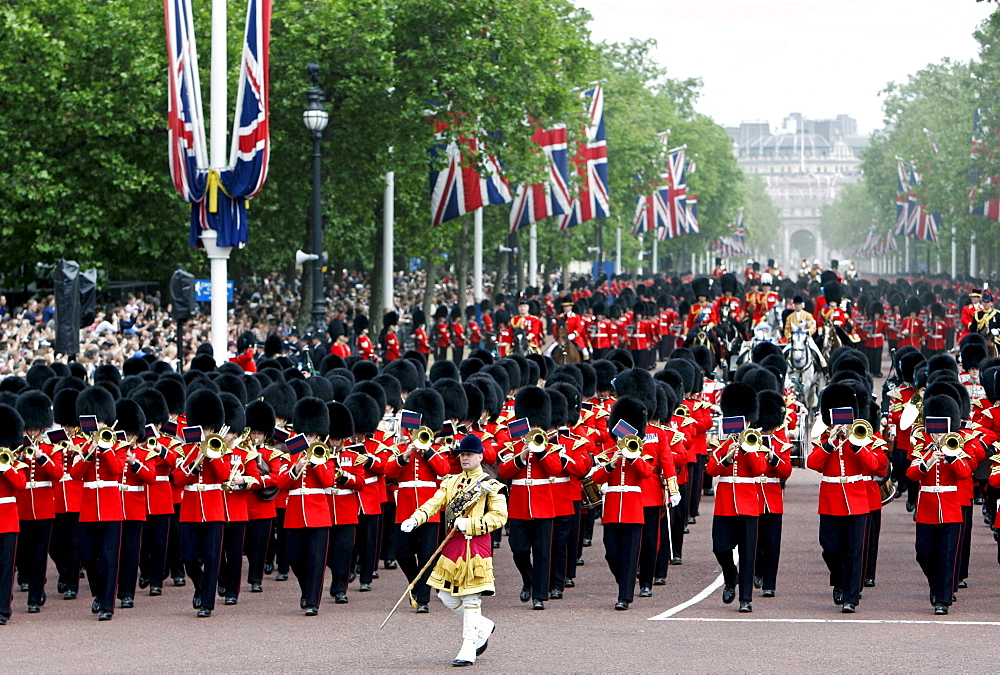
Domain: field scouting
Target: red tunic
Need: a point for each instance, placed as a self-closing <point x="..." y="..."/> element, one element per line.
<point x="938" y="501"/>
<point x="391" y="347"/>
<point x="308" y="505"/>
<point x="269" y="463"/>
<point x="101" y="476"/>
<point x="457" y="334"/>
<point x="418" y="476"/>
<point x="911" y="333"/>
<point x="139" y="476"/>
<point x="845" y="470"/>
<point x="738" y="492"/>
<point x="421" y="341"/>
<point x="340" y="349"/>
<point x="623" y="491"/>
<point x="201" y="500"/>
<point x="366" y="348"/>
<point x="442" y="336"/>
<point x="37" y="500"/>
<point x="531" y="489"/>
<point x="343" y="496"/>
<point x="778" y="469"/>
<point x="11" y="481"/>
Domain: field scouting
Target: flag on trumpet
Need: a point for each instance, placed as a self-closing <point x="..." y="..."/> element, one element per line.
<point x="623" y="429"/>
<point x="519" y="427"/>
<point x="733" y="425"/>
<point x="841" y="416"/>
<point x="410" y="420"/>
<point x="192" y="434"/>
<point x="296" y="444"/>
<point x="937" y="425"/>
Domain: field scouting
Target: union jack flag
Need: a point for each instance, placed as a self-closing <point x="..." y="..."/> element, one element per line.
<point x="919" y="223"/>
<point x="552" y="197"/>
<point x="902" y="196"/>
<point x="692" y="214"/>
<point x="244" y="176"/>
<point x="990" y="207"/>
<point x="462" y="187"/>
<point x="651" y="212"/>
<point x="676" y="196"/>
<point x="592" y="164"/>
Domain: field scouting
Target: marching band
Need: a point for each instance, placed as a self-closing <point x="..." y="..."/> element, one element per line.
<point x="147" y="475"/>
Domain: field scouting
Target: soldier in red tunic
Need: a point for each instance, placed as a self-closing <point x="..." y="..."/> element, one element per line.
<point x="366" y="348"/>
<point x="737" y="498"/>
<point x="12" y="480"/>
<point x="343" y="499"/>
<point x="420" y="340"/>
<point x="338" y="336"/>
<point x="937" y="330"/>
<point x="843" y="497"/>
<point x="388" y="340"/>
<point x="621" y="469"/>
<point x="100" y="466"/>
<point x="442" y="336"/>
<point x="529" y="467"/>
<point x="911" y="330"/>
<point x="969" y="314"/>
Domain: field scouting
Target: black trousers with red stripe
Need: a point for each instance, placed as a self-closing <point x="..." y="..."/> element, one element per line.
<point x="8" y="548"/>
<point x="128" y="560"/>
<point x="32" y="557"/>
<point x="650" y="544"/>
<point x="621" y="550"/>
<point x="153" y="556"/>
<point x="307" y="548"/>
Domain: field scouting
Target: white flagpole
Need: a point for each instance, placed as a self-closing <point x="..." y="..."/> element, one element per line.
<point x="477" y="255"/>
<point x="972" y="257"/>
<point x="217" y="160"/>
<point x="388" y="219"/>
<point x="655" y="253"/>
<point x="618" y="251"/>
<point x="533" y="255"/>
<point x="954" y="255"/>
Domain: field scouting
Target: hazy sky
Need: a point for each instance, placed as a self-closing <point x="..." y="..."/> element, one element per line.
<point x="761" y="59"/>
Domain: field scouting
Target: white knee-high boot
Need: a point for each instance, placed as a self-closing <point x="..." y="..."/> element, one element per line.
<point x="470" y="637"/>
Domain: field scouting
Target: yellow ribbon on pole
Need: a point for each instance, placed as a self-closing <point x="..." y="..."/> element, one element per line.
<point x="212" y="187"/>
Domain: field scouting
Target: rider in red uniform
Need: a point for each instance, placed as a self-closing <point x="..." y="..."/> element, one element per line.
<point x="702" y="313"/>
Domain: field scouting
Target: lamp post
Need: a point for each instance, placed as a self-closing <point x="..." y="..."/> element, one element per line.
<point x="315" y="118"/>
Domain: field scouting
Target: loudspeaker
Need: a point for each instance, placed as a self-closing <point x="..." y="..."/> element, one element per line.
<point x="66" y="282"/>
<point x="303" y="257"/>
<point x="88" y="297"/>
<point x="182" y="295"/>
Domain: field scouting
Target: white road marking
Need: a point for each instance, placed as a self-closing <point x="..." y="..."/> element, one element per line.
<point x="707" y="591"/>
<point x="663" y="617"/>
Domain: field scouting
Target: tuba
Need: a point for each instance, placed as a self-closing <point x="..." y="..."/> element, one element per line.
<point x="630" y="446"/>
<point x="538" y="440"/>
<point x="860" y="434"/>
<point x="911" y="411"/>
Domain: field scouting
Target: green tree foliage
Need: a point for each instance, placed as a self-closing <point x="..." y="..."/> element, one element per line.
<point x="761" y="217"/>
<point x="848" y="220"/>
<point x="83" y="162"/>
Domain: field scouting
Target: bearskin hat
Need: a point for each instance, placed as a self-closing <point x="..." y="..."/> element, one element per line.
<point x="534" y="403"/>
<point x="988" y="378"/>
<point x="99" y="402"/>
<point x="444" y="370"/>
<point x="390" y="386"/>
<point x="474" y="395"/>
<point x="203" y="363"/>
<point x="632" y="411"/>
<point x="37" y="375"/>
<point x="431" y="407"/>
<point x="523" y="369"/>
<point x="908" y="363"/>
<point x="130" y="417"/>
<point x="329" y="362"/>
<point x="483" y="355"/>
<point x="684" y="353"/>
<point x="364" y="411"/>
<point x="638" y="384"/>
<point x="373" y="390"/>
<point x="606" y="372"/>
<point x="674" y="380"/>
<point x="234" y="385"/>
<point x="543" y="367"/>
<point x="273" y="345"/>
<point x="300" y="388"/>
<point x="260" y="417"/>
<point x="686" y="370"/>
<point x="35" y="409"/>
<point x="739" y="400"/>
<point x="341" y="423"/>
<point x="703" y="357"/>
<point x="513" y="371"/>
<point x="107" y="373"/>
<point x="499" y="375"/>
<point x="573" y="398"/>
<point x="837" y="395"/>
<point x="761" y="350"/>
<point x="621" y="358"/>
<point x="134" y="365"/>
<point x="853" y="361"/>
<point x="972" y="355"/>
<point x="281" y="398"/>
<point x="364" y="370"/>
<point x="153" y="404"/>
<point x="311" y="416"/>
<point x="943" y="406"/>
<point x="64" y="408"/>
<point x="406" y="373"/>
<point x="589" y="379"/>
<point x="336" y="328"/>
<point x="759" y="379"/>
<point x="728" y="283"/>
<point x="560" y="408"/>
<point x="321" y="388"/>
<point x="11" y="427"/>
<point x="235" y="412"/>
<point x="700" y="287"/>
<point x="204" y="408"/>
<point x="777" y="365"/>
<point x="343" y="373"/>
<point x="770" y="410"/>
<point x="456" y="403"/>
<point x="469" y="367"/>
<point x="955" y="391"/>
<point x="942" y="362"/>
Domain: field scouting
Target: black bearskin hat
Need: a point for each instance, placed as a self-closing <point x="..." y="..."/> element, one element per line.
<point x="943" y="406"/>
<point x="131" y="418"/>
<point x="35" y="410"/>
<point x="341" y="422"/>
<point x="364" y="370"/>
<point x="972" y="355"/>
<point x="235" y="409"/>
<point x="97" y="401"/>
<point x="443" y="370"/>
<point x="739" y="400"/>
<point x="390" y="386"/>
<point x="406" y="373"/>
<point x="770" y="410"/>
<point x="534" y="403"/>
<point x="606" y="372"/>
<point x="456" y="403"/>
<point x="153" y="404"/>
<point x="837" y="395"/>
<point x="686" y="370"/>
<point x="373" y="390"/>
<point x="631" y="410"/>
<point x="431" y="407"/>
<point x="364" y="411"/>
<point x="474" y="395"/>
<point x="638" y="384"/>
<point x="204" y="409"/>
<point x="173" y="393"/>
<point x="311" y="417"/>
<point x="11" y="427"/>
<point x="281" y="398"/>
<point x="260" y="417"/>
<point x="64" y="408"/>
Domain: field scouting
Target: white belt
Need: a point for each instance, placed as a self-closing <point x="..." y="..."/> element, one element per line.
<point x="66" y="477"/>
<point x="337" y="492"/>
<point x="769" y="479"/>
<point x="38" y="484"/>
<point x="135" y="488"/>
<point x="741" y="479"/>
<point x="418" y="484"/>
<point x="370" y="480"/>
<point x="163" y="479"/>
<point x="844" y="479"/>
<point x="94" y="484"/>
<point x="939" y="488"/>
<point x="306" y="491"/>
<point x="203" y="487"/>
<point x="8" y="500"/>
<point x="623" y="488"/>
<point x="528" y="482"/>
<point x="560" y="479"/>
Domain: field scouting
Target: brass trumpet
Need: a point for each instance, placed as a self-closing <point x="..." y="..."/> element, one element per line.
<point x="6" y="457"/>
<point x="951" y="444"/>
<point x="317" y="452"/>
<point x="861" y="433"/>
<point x="423" y="438"/>
<point x="538" y="440"/>
<point x="630" y="446"/>
<point x="680" y="411"/>
<point x="214" y="446"/>
<point x="752" y="441"/>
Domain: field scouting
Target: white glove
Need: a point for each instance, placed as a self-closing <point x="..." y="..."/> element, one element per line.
<point x="462" y="524"/>
<point x="675" y="499"/>
<point x="408" y="525"/>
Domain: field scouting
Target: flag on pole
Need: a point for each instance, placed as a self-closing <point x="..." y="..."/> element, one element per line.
<point x="551" y="197"/>
<point x="591" y="159"/>
<point x="462" y="187"/>
<point x="990" y="207"/>
<point x="676" y="195"/>
<point x="902" y="196"/>
<point x="218" y="195"/>
<point x="651" y="212"/>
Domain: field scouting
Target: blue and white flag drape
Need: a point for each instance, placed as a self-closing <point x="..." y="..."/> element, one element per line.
<point x="461" y="187"/>
<point x="244" y="176"/>
<point x="552" y="197"/>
